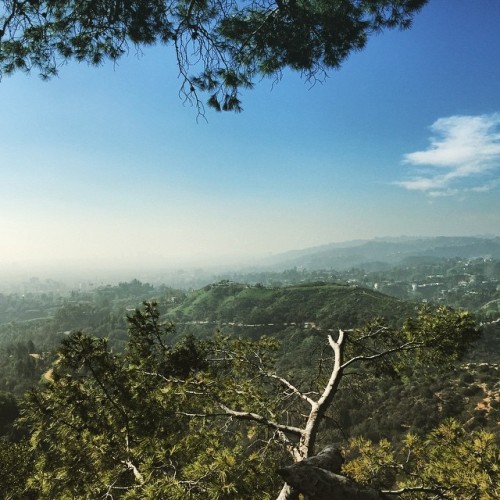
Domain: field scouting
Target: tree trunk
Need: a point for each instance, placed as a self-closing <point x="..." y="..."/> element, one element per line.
<point x="318" y="478"/>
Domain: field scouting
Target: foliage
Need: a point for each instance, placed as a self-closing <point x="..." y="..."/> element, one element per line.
<point x="15" y="469"/>
<point x="198" y="418"/>
<point x="26" y="344"/>
<point x="378" y="406"/>
<point x="8" y="412"/>
<point x="147" y="422"/>
<point x="370" y="401"/>
<point x="20" y="366"/>
<point x="448" y="463"/>
<point x="227" y="43"/>
<point x="446" y="335"/>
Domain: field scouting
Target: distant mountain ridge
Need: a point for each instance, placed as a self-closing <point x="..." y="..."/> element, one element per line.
<point x="388" y="251"/>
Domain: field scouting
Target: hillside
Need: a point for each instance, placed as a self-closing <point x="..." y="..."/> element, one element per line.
<point x="299" y="316"/>
<point x="320" y="304"/>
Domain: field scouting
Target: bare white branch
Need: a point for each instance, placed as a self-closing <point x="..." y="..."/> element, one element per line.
<point x="294" y="389"/>
<point x="246" y="415"/>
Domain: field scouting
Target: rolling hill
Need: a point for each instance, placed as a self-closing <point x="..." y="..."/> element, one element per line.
<point x="324" y="305"/>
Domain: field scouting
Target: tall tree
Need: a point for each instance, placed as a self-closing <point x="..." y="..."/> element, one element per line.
<point x="147" y="423"/>
<point x="201" y="418"/>
<point x="220" y="46"/>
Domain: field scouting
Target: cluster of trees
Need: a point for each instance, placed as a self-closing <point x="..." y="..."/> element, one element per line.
<point x="213" y="419"/>
<point x="26" y="344"/>
<point x="29" y="306"/>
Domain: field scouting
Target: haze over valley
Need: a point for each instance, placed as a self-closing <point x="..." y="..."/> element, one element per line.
<point x="107" y="169"/>
<point x="379" y="254"/>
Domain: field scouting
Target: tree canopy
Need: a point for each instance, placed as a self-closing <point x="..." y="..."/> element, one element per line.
<point x="220" y="46"/>
<point x="200" y="418"/>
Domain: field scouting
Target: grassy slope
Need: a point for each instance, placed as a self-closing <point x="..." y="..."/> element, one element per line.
<point x="329" y="306"/>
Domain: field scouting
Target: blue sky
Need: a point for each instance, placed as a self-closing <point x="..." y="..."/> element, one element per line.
<point x="107" y="166"/>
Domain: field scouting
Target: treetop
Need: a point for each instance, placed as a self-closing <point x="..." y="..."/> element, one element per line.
<point x="220" y="46"/>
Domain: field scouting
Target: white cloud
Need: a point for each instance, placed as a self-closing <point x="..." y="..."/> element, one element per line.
<point x="443" y="193"/>
<point x="488" y="186"/>
<point x="462" y="148"/>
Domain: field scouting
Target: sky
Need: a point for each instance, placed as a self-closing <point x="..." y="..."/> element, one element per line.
<point x="108" y="167"/>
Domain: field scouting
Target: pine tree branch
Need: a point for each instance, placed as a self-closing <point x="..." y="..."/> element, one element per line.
<point x="408" y="346"/>
<point x="422" y="489"/>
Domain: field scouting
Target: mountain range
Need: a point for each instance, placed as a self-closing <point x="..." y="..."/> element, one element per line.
<point x="380" y="253"/>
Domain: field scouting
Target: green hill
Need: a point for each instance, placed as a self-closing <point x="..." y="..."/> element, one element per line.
<point x="320" y="305"/>
<point x="299" y="316"/>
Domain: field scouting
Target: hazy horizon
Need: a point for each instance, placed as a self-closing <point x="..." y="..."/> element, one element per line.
<point x="71" y="272"/>
<point x="105" y="167"/>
